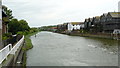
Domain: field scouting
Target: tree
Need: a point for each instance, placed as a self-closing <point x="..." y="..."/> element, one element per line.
<point x="23" y="25"/>
<point x="7" y="11"/>
<point x="13" y="26"/>
<point x="6" y="17"/>
<point x="16" y="26"/>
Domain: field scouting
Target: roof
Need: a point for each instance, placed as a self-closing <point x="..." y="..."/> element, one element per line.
<point x="65" y="23"/>
<point x="76" y="23"/>
<point x="86" y="20"/>
<point x="105" y="14"/>
<point x="97" y="17"/>
<point x="90" y="19"/>
<point x="54" y="27"/>
<point x="115" y="14"/>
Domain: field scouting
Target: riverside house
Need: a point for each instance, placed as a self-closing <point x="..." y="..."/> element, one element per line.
<point x="74" y="26"/>
<point x="89" y="23"/>
<point x="97" y="24"/>
<point x="62" y="27"/>
<point x="70" y="26"/>
<point x="110" y="22"/>
<point x="103" y="20"/>
<point x="106" y="23"/>
<point x="86" y="22"/>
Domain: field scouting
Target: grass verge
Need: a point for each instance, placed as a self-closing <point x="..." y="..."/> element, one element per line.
<point x="28" y="42"/>
<point x="28" y="45"/>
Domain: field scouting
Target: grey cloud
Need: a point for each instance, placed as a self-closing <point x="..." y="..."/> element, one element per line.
<point x="46" y="12"/>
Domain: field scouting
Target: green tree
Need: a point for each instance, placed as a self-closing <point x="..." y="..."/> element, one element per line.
<point x="13" y="26"/>
<point x="23" y="25"/>
<point x="16" y="26"/>
<point x="7" y="11"/>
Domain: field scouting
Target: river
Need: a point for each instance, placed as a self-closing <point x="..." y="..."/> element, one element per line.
<point x="53" y="49"/>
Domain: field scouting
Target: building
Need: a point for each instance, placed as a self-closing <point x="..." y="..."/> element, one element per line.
<point x="62" y="27"/>
<point x="90" y="22"/>
<point x="54" y="29"/>
<point x="97" y="24"/>
<point x="96" y="20"/>
<point x="86" y="23"/>
<point x="110" y="22"/>
<point x="75" y="26"/>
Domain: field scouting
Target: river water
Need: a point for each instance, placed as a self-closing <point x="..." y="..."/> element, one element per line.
<point x="53" y="49"/>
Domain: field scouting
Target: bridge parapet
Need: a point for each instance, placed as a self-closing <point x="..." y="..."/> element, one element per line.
<point x="10" y="50"/>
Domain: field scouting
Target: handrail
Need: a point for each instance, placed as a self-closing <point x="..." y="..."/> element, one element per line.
<point x="9" y="50"/>
<point x="4" y="53"/>
<point x="17" y="45"/>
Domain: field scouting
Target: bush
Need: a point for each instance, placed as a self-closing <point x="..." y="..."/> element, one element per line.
<point x="22" y="33"/>
<point x="6" y="36"/>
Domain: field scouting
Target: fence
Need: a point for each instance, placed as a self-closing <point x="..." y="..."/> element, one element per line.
<point x="10" y="50"/>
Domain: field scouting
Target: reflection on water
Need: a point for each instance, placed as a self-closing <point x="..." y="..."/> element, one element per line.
<point x="105" y="44"/>
<point x="52" y="49"/>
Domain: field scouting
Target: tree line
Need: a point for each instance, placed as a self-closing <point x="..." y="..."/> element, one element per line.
<point x="14" y="25"/>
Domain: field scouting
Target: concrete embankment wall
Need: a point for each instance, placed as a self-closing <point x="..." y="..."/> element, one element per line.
<point x="14" y="60"/>
<point x="107" y="36"/>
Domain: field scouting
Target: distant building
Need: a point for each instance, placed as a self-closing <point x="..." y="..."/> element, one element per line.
<point x="111" y="21"/>
<point x="86" y="23"/>
<point x="62" y="27"/>
<point x="89" y="24"/>
<point x="96" y="20"/>
<point x="106" y="23"/>
<point x="54" y="29"/>
<point x="103" y="18"/>
<point x="75" y="26"/>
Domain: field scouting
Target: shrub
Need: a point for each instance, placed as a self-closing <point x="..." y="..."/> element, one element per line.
<point x="6" y="36"/>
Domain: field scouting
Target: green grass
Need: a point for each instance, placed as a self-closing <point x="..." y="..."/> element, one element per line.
<point x="28" y="43"/>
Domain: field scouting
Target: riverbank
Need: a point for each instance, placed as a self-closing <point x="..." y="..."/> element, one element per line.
<point x="97" y="35"/>
<point x="28" y="45"/>
<point x="94" y="35"/>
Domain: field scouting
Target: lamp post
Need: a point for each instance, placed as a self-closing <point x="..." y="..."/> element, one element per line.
<point x="0" y="24"/>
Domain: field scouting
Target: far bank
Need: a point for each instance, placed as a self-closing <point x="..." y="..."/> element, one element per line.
<point x="94" y="35"/>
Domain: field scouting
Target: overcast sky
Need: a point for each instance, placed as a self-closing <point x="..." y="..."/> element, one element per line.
<point x="53" y="12"/>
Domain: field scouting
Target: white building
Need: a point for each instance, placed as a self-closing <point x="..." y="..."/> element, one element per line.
<point x="75" y="26"/>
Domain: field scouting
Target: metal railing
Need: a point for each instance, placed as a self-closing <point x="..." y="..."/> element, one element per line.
<point x="10" y="50"/>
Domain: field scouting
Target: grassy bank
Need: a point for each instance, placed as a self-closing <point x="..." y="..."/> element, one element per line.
<point x="28" y="45"/>
<point x="28" y="42"/>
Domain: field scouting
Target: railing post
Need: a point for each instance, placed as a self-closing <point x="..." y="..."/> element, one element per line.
<point x="10" y="46"/>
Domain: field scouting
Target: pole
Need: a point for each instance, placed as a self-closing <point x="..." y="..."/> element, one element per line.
<point x="0" y="24"/>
